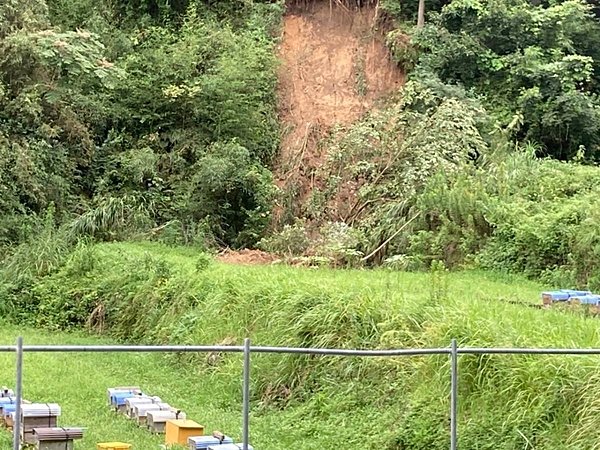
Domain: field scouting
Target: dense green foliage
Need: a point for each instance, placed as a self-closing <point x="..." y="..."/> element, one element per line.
<point x="151" y="293"/>
<point x="454" y="168"/>
<point x="166" y="109"/>
<point x="157" y="119"/>
<point x="535" y="66"/>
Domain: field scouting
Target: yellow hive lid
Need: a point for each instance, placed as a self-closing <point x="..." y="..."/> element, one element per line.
<point x="185" y="423"/>
<point x="120" y="445"/>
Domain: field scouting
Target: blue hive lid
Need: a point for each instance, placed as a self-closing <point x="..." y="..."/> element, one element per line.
<point x="202" y="442"/>
<point x="8" y="408"/>
<point x="589" y="299"/>
<point x="118" y="398"/>
<point x="574" y="292"/>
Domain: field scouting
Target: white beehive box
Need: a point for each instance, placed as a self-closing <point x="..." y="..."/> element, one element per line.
<point x="156" y="420"/>
<point x="140" y="411"/>
<point x="130" y="403"/>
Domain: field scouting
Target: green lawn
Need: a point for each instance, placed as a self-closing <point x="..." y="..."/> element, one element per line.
<point x="78" y="382"/>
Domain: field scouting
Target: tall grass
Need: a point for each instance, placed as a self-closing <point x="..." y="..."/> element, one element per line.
<point x="151" y="293"/>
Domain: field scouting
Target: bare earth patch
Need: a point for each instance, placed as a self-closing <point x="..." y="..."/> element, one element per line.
<point x="246" y="257"/>
<point x="335" y="66"/>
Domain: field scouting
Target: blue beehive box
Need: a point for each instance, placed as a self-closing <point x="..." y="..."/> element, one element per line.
<point x="8" y="408"/>
<point x="574" y="292"/>
<point x="203" y="442"/>
<point x="555" y="296"/>
<point x="117" y="399"/>
<point x="229" y="447"/>
<point x="589" y="299"/>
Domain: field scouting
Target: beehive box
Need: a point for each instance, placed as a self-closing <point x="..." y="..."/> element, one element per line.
<point x="113" y="446"/>
<point x="7" y="405"/>
<point x="550" y="297"/>
<point x="229" y="447"/>
<point x="37" y="415"/>
<point x="140" y="412"/>
<point x="9" y="420"/>
<point x="589" y="299"/>
<point x="203" y="442"/>
<point x="156" y="420"/>
<point x="56" y="438"/>
<point x="179" y="431"/>
<point x="113" y="390"/>
<point x="132" y="402"/>
<point x="118" y="399"/>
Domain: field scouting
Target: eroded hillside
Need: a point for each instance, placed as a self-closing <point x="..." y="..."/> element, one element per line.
<point x="335" y="67"/>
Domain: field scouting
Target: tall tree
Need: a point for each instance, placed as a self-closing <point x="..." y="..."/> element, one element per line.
<point x="421" y="14"/>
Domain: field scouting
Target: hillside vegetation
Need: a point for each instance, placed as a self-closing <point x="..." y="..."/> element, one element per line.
<point x="155" y="294"/>
<point x="132" y="115"/>
<point x="139" y="137"/>
<point x="160" y="120"/>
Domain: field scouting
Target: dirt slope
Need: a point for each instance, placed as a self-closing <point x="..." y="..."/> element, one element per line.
<point x="335" y="66"/>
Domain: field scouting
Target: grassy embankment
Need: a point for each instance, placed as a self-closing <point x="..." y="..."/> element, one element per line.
<point x="150" y="293"/>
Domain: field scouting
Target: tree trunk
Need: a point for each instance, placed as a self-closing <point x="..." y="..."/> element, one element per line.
<point x="421" y="16"/>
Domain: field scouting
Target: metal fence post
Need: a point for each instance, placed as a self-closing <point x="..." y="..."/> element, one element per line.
<point x="19" y="395"/>
<point x="246" y="399"/>
<point x="453" y="395"/>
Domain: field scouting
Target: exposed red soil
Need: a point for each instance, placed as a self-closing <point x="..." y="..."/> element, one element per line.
<point x="246" y="257"/>
<point x="334" y="69"/>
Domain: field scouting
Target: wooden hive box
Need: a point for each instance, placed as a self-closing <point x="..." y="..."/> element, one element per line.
<point x="7" y="405"/>
<point x="203" y="442"/>
<point x="118" y="399"/>
<point x="37" y="415"/>
<point x="178" y="431"/>
<point x="7" y="412"/>
<point x="113" y="390"/>
<point x="132" y="402"/>
<point x="156" y="420"/>
<point x="140" y="411"/>
<point x="56" y="438"/>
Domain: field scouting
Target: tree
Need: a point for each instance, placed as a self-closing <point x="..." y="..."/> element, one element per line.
<point x="421" y="14"/>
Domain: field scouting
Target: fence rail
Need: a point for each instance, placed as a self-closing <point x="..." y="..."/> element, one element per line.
<point x="454" y="351"/>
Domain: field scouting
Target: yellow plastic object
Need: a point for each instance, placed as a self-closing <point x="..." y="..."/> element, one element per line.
<point x="178" y="431"/>
<point x="113" y="446"/>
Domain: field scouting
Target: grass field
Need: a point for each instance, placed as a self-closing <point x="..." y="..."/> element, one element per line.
<point x="155" y="294"/>
<point x="78" y="383"/>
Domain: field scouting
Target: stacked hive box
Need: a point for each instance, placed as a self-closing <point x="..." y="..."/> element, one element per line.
<point x="7" y="405"/>
<point x="140" y="411"/>
<point x="203" y="442"/>
<point x="118" y="399"/>
<point x="132" y="402"/>
<point x="160" y="417"/>
<point x="37" y="415"/>
<point x="56" y="438"/>
<point x="156" y="420"/>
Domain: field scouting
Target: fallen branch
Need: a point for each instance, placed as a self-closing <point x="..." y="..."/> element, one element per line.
<point x="387" y="241"/>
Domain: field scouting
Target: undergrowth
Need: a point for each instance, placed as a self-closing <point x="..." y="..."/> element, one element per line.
<point x="155" y="294"/>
